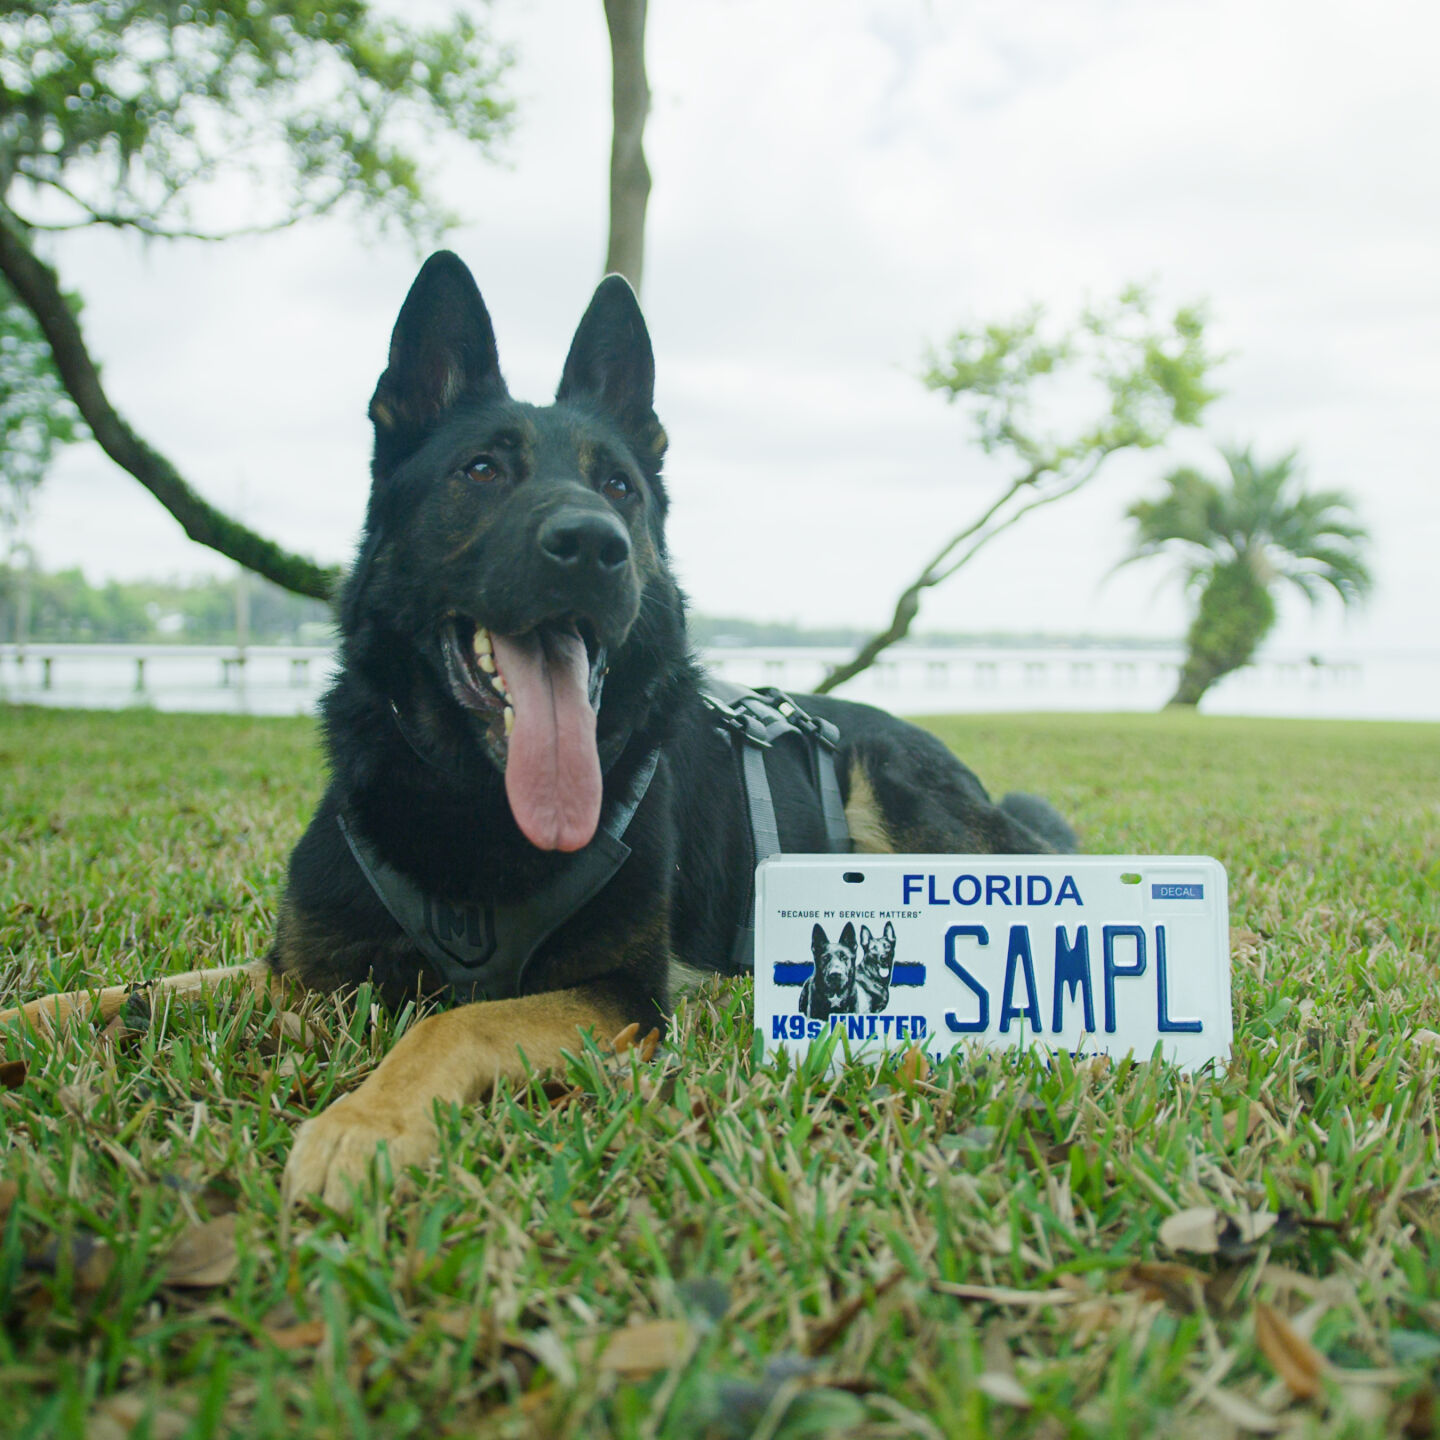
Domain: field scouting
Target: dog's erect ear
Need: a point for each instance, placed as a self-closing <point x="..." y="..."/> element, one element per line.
<point x="889" y="932"/>
<point x="818" y="941"/>
<point x="847" y="937"/>
<point x="443" y="347"/>
<point x="612" y="367"/>
<point x="866" y="938"/>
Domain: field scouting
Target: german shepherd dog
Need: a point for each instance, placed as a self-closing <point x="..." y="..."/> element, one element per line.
<point x="873" y="969"/>
<point x="831" y="989"/>
<point x="513" y="659"/>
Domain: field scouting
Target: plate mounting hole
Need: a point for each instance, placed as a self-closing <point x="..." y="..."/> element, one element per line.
<point x="853" y="877"/>
<point x="1130" y="878"/>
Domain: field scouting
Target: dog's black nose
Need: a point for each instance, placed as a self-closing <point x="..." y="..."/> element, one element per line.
<point x="577" y="540"/>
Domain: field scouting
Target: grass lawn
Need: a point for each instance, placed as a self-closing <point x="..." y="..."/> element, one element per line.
<point x="704" y="1246"/>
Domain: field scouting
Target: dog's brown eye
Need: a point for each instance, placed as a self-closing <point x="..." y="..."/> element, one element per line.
<point x="482" y="470"/>
<point x="617" y="487"/>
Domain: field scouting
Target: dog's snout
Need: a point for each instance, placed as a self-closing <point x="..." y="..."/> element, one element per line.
<point x="579" y="540"/>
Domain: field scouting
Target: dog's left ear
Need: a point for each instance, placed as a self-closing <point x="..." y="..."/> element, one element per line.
<point x="889" y="932"/>
<point x="847" y="937"/>
<point x="612" y="367"/>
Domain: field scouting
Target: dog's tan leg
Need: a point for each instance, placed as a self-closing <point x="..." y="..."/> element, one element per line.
<point x="53" y="1010"/>
<point x="457" y="1056"/>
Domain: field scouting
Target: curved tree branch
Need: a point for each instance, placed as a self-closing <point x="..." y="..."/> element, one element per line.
<point x="39" y="289"/>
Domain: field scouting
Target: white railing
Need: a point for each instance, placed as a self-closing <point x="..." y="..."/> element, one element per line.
<point x="911" y="679"/>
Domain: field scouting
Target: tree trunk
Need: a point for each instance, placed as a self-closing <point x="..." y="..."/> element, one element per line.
<point x="37" y="286"/>
<point x="629" y="174"/>
<point x="1235" y="615"/>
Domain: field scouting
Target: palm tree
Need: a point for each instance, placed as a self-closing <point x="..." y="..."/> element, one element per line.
<point x="1236" y="540"/>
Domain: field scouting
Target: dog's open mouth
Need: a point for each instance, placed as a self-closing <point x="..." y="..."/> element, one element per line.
<point x="538" y="694"/>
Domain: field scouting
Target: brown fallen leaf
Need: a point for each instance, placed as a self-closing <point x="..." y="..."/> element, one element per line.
<point x="913" y="1067"/>
<point x="998" y="1379"/>
<point x="12" y="1073"/>
<point x="91" y="1260"/>
<point x="307" y="1335"/>
<point x="9" y="1193"/>
<point x="635" y="1351"/>
<point x="1165" y="1280"/>
<point x="203" y="1255"/>
<point x="1297" y="1362"/>
<point x="129" y="1413"/>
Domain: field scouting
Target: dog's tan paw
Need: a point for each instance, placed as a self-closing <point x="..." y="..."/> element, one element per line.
<point x="332" y="1153"/>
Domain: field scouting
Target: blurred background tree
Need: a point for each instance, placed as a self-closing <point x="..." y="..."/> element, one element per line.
<point x="1151" y="375"/>
<point x="126" y="114"/>
<point x="1237" y="539"/>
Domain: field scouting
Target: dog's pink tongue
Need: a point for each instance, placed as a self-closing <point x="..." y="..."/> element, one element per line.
<point x="552" y="770"/>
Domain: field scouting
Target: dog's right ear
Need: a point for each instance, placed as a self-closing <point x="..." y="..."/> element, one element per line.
<point x="442" y="348"/>
<point x="818" y="942"/>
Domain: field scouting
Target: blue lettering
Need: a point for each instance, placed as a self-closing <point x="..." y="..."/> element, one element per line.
<point x="856" y="1025"/>
<point x="981" y="936"/>
<point x="885" y="1022"/>
<point x="871" y="1035"/>
<point x="918" y="1027"/>
<point x="934" y="898"/>
<point x="900" y="1033"/>
<point x="1164" y="1023"/>
<point x="997" y="887"/>
<point x="1072" y="968"/>
<point x="779" y="1027"/>
<point x="1019" y="950"/>
<point x="1031" y="883"/>
<point x="913" y="885"/>
<point x="955" y="890"/>
<point x="1112" y="933"/>
<point x="814" y="1029"/>
<point x="1068" y="891"/>
<point x="797" y="1027"/>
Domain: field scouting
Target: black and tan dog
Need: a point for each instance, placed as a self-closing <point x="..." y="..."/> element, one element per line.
<point x="515" y="678"/>
<point x="831" y="989"/>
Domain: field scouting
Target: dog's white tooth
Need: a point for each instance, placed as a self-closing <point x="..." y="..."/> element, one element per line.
<point x="482" y="641"/>
<point x="486" y="661"/>
<point x="509" y="718"/>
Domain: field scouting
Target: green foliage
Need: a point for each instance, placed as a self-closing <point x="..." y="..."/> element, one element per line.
<point x="797" y="1230"/>
<point x="1235" y="540"/>
<point x="36" y="415"/>
<point x="1151" y="376"/>
<point x="122" y="109"/>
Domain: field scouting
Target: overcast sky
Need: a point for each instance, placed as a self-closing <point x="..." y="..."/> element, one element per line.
<point x="839" y="183"/>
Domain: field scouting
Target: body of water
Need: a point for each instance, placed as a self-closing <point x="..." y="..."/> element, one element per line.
<point x="910" y="680"/>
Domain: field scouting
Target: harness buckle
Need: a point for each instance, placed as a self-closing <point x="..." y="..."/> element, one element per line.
<point x="821" y="731"/>
<point x="737" y="720"/>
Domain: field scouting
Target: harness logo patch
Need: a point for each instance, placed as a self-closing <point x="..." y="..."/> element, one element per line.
<point x="465" y="932"/>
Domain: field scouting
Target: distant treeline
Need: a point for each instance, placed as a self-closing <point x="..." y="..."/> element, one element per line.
<point x="39" y="607"/>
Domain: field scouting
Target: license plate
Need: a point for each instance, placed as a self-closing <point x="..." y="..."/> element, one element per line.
<point x="1094" y="954"/>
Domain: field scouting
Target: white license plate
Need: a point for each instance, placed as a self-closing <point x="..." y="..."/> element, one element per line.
<point x="1092" y="954"/>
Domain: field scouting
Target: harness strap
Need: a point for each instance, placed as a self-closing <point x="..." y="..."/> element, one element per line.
<point x="755" y="720"/>
<point x="481" y="951"/>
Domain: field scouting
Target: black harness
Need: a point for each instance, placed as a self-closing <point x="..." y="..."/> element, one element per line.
<point x="480" y="952"/>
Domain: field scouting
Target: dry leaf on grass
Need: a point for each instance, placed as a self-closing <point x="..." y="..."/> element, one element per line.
<point x="1003" y="1295"/>
<point x="203" y="1255"/>
<point x="998" y="1379"/>
<point x="913" y="1067"/>
<point x="9" y="1193"/>
<point x="1242" y="1413"/>
<point x="636" y="1351"/>
<point x="12" y="1073"/>
<point x="307" y="1335"/>
<point x="128" y="1414"/>
<point x="1204" y="1230"/>
<point x="1175" y="1284"/>
<point x="1297" y="1362"/>
<point x="90" y="1260"/>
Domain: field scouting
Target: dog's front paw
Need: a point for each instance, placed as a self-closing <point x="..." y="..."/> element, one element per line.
<point x="332" y="1153"/>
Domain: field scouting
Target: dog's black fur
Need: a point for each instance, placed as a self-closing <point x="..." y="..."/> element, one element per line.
<point x="465" y="482"/>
